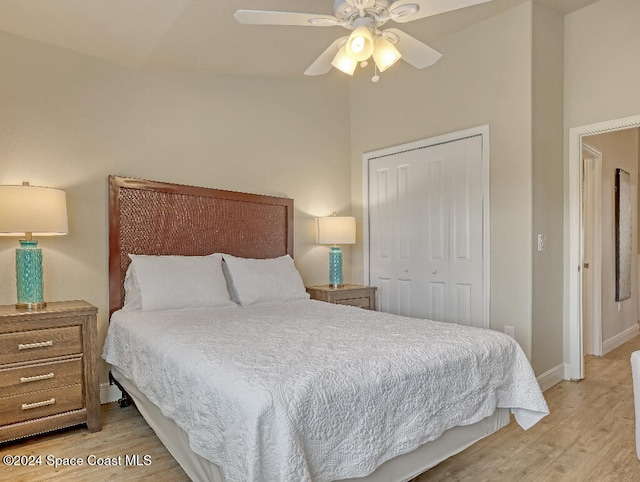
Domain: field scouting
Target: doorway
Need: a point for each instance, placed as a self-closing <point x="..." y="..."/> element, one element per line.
<point x="574" y="324"/>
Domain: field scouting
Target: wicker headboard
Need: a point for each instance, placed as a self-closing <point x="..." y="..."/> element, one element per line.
<point x="157" y="218"/>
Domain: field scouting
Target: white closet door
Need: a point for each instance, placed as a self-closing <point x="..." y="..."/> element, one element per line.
<point x="425" y="231"/>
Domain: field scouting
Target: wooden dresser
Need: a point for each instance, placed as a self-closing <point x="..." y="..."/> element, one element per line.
<point x="48" y="369"/>
<point x="354" y="295"/>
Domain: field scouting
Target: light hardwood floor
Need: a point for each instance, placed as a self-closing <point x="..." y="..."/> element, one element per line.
<point x="589" y="436"/>
<point x="124" y="433"/>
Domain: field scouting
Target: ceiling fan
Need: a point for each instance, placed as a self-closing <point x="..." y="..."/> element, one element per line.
<point x="365" y="18"/>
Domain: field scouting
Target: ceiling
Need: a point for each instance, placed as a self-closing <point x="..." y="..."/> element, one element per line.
<point x="202" y="34"/>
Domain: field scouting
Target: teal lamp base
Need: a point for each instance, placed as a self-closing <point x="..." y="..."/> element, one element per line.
<point x="29" y="276"/>
<point x="335" y="267"/>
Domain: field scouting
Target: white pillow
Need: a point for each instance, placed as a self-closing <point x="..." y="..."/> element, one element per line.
<point x="264" y="280"/>
<point x="156" y="283"/>
<point x="132" y="296"/>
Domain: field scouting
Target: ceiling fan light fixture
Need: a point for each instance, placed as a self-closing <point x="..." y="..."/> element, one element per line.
<point x="343" y="62"/>
<point x="385" y="54"/>
<point x="360" y="44"/>
<point x="364" y="20"/>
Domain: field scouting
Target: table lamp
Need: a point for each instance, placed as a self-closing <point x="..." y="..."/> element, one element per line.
<point x="27" y="211"/>
<point x="336" y="230"/>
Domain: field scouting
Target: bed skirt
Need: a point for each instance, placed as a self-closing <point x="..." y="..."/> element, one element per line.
<point x="399" y="469"/>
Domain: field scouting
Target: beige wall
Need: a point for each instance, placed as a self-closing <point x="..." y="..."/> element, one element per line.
<point x="483" y="78"/>
<point x="547" y="188"/>
<point x="619" y="150"/>
<point x="68" y="121"/>
<point x="602" y="44"/>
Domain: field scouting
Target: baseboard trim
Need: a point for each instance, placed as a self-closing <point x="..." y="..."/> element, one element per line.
<point x="615" y="341"/>
<point x="551" y="377"/>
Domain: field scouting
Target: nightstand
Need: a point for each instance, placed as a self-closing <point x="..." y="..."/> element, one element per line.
<point x="354" y="295"/>
<point x="48" y="369"/>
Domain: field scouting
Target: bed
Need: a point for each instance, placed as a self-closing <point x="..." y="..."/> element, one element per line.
<point x="269" y="385"/>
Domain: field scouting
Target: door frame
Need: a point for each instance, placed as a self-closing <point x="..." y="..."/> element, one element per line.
<point x="573" y="329"/>
<point x="592" y="182"/>
<point x="482" y="131"/>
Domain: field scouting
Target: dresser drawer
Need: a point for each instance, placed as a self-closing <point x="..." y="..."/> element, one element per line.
<point x="40" y="404"/>
<point x="37" y="344"/>
<point x="359" y="302"/>
<point x="41" y="376"/>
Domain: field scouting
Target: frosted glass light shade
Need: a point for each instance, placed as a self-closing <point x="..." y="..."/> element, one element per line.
<point x="360" y="44"/>
<point x="336" y="230"/>
<point x="41" y="211"/>
<point x="385" y="54"/>
<point x="343" y="62"/>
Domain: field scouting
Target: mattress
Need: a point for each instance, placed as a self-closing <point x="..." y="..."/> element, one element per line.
<point x="306" y="390"/>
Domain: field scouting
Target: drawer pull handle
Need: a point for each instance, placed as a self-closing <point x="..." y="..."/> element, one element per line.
<point x="44" y="403"/>
<point x="37" y="378"/>
<point x="39" y="344"/>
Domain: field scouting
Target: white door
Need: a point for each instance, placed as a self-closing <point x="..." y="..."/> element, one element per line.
<point x="591" y="251"/>
<point x="426" y="231"/>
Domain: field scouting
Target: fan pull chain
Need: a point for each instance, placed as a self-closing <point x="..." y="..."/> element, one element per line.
<point x="375" y="77"/>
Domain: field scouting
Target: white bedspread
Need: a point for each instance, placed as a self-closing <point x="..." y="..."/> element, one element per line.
<point x="306" y="390"/>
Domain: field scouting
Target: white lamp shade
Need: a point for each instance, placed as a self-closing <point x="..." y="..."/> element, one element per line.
<point x="360" y="44"/>
<point x="41" y="211"/>
<point x="385" y="54"/>
<point x="343" y="62"/>
<point x="336" y="230"/>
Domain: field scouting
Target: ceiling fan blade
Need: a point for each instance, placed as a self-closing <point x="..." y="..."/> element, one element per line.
<point x="263" y="17"/>
<point x="413" y="51"/>
<point x="403" y="11"/>
<point x="322" y="64"/>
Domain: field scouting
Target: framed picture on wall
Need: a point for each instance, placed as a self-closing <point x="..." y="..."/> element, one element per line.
<point x="623" y="225"/>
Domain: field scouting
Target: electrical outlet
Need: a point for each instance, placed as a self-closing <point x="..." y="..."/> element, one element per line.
<point x="541" y="242"/>
<point x="510" y="330"/>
